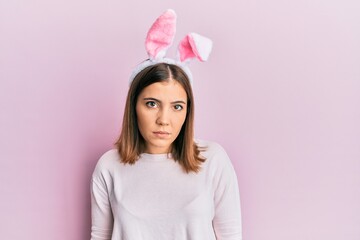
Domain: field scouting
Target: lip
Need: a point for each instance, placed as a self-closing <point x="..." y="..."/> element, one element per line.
<point x="161" y="134"/>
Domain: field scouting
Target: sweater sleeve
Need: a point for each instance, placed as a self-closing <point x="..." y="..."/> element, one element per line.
<point x="101" y="213"/>
<point x="227" y="219"/>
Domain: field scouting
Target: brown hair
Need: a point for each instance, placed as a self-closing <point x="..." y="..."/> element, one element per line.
<point x="131" y="143"/>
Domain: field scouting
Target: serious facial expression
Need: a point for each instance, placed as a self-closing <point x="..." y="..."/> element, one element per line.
<point x="161" y="111"/>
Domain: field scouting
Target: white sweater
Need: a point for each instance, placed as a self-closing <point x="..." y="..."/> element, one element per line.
<point x="154" y="199"/>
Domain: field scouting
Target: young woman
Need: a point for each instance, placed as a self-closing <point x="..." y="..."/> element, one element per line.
<point x="159" y="183"/>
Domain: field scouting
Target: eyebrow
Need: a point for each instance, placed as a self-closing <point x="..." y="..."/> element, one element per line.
<point x="157" y="100"/>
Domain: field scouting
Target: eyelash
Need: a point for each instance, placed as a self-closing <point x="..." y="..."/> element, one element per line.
<point x="181" y="107"/>
<point x="152" y="104"/>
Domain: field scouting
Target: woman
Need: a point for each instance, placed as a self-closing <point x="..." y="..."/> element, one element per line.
<point x="159" y="183"/>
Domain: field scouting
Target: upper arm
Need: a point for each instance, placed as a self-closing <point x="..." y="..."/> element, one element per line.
<point x="227" y="219"/>
<point x="101" y="212"/>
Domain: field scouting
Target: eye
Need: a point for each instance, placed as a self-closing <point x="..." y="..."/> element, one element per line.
<point x="178" y="107"/>
<point x="151" y="104"/>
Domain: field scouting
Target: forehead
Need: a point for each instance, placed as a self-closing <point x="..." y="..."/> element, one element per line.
<point x="165" y="90"/>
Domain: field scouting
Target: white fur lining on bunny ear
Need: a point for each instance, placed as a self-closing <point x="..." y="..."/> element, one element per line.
<point x="161" y="35"/>
<point x="193" y="46"/>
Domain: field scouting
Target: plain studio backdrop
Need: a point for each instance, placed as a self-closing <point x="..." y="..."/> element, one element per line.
<point x="280" y="92"/>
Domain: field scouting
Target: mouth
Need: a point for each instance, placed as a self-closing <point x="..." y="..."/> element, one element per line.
<point x="161" y="134"/>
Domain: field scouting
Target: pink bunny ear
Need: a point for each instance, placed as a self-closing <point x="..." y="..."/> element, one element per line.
<point x="194" y="45"/>
<point x="161" y="35"/>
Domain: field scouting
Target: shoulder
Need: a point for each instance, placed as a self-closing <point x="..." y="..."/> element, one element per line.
<point x="214" y="153"/>
<point x="210" y="148"/>
<point x="106" y="163"/>
<point x="218" y="163"/>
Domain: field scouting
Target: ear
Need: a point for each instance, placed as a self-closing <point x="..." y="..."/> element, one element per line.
<point x="161" y="35"/>
<point x="194" y="45"/>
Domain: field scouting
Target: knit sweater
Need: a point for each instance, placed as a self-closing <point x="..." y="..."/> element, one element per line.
<point x="154" y="199"/>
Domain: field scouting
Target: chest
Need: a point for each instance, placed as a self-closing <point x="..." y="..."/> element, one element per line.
<point x="162" y="191"/>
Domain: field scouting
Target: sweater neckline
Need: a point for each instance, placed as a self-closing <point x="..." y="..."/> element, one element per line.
<point x="155" y="157"/>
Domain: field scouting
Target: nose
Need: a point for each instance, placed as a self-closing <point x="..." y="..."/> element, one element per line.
<point x="163" y="118"/>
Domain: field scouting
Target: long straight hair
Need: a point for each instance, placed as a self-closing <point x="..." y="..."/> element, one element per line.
<point x="131" y="143"/>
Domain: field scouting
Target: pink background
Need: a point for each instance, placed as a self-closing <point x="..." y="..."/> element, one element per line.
<point x="281" y="93"/>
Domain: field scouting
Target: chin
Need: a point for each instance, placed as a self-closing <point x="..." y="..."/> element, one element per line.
<point x="160" y="144"/>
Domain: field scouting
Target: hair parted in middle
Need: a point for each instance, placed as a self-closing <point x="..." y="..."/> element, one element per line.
<point x="131" y="143"/>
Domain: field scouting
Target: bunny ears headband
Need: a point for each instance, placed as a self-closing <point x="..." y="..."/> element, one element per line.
<point x="160" y="37"/>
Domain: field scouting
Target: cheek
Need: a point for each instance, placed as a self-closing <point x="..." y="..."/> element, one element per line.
<point x="181" y="120"/>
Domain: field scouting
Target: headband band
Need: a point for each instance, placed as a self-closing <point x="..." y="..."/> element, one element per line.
<point x="160" y="37"/>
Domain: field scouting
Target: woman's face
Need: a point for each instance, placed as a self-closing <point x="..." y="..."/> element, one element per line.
<point x="161" y="111"/>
